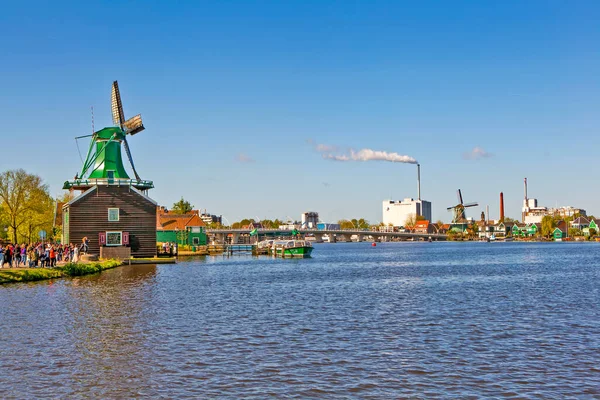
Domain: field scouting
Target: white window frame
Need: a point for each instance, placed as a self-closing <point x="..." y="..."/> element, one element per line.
<point x="120" y="238"/>
<point x="196" y="241"/>
<point x="118" y="214"/>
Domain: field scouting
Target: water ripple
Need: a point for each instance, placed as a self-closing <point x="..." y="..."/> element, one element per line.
<point x="439" y="320"/>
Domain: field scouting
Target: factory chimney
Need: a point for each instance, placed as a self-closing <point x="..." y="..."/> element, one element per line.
<point x="418" y="181"/>
<point x="501" y="207"/>
<point x="525" y="203"/>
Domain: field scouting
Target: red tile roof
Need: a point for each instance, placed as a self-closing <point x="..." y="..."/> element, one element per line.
<point x="170" y="222"/>
<point x="422" y="224"/>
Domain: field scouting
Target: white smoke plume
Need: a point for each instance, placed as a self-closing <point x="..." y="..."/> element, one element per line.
<point x="333" y="153"/>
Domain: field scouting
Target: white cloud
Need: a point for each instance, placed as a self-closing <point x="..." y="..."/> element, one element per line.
<point x="244" y="158"/>
<point x="476" y="154"/>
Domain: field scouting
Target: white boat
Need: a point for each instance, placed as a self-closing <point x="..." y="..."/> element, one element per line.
<point x="265" y="244"/>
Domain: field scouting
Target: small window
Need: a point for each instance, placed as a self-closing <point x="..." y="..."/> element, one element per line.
<point x="113" y="214"/>
<point x="196" y="241"/>
<point x="114" y="238"/>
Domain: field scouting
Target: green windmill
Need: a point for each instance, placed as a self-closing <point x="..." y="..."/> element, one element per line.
<point x="104" y="164"/>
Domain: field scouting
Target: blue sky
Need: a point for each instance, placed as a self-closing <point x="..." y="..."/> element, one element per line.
<point x="231" y="91"/>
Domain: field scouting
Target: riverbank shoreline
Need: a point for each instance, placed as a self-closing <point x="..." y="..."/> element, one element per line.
<point x="15" y="275"/>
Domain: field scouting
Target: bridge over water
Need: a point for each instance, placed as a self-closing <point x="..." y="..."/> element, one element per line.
<point x="220" y="235"/>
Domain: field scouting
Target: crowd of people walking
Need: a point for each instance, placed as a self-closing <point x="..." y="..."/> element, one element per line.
<point x="38" y="254"/>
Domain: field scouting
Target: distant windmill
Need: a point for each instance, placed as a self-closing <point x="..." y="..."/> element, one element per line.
<point x="458" y="210"/>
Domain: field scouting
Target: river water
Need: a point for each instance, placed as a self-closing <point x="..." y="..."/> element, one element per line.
<point x="422" y="320"/>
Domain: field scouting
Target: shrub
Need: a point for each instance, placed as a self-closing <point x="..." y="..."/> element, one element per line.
<point x="70" y="269"/>
<point x="77" y="269"/>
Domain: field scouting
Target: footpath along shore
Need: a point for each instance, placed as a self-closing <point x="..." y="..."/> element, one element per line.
<point x="13" y="275"/>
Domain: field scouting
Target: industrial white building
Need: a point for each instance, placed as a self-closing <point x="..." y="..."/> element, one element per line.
<point x="310" y="219"/>
<point x="397" y="212"/>
<point x="533" y="213"/>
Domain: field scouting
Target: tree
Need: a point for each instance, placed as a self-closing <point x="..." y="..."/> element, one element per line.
<point x="3" y="224"/>
<point x="345" y="224"/>
<point x="548" y="225"/>
<point x="360" y="223"/>
<point x="20" y="197"/>
<point x="242" y="223"/>
<point x="575" y="232"/>
<point x="267" y="223"/>
<point x="410" y="221"/>
<point x="182" y="207"/>
<point x="354" y="223"/>
<point x="39" y="217"/>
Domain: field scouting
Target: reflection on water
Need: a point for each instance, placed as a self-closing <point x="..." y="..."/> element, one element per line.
<point x="399" y="320"/>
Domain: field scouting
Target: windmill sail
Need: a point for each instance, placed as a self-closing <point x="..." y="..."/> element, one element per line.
<point x="134" y="125"/>
<point x="131" y="126"/>
<point x="126" y="145"/>
<point x="116" y="105"/>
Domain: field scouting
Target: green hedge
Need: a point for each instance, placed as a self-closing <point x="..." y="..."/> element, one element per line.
<point x="70" y="269"/>
<point x="27" y="275"/>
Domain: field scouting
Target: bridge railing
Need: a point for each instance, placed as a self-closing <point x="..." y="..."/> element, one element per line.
<point x="326" y="231"/>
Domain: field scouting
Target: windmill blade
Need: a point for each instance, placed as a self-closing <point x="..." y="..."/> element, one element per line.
<point x="134" y="125"/>
<point x="126" y="145"/>
<point x="459" y="194"/>
<point x="450" y="208"/>
<point x="471" y="204"/>
<point x="116" y="105"/>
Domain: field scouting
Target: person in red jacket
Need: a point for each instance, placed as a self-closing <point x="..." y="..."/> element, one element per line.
<point x="52" y="257"/>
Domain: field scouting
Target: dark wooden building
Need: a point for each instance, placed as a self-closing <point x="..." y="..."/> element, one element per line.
<point x="112" y="217"/>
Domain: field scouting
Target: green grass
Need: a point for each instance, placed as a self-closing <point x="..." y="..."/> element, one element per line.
<point x="27" y="275"/>
<point x="70" y="269"/>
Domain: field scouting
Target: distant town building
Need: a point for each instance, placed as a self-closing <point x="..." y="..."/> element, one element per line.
<point x="211" y="218"/>
<point x="309" y="220"/>
<point x="532" y="213"/>
<point x="289" y="226"/>
<point x="185" y="229"/>
<point x="326" y="227"/>
<point x="397" y="212"/>
<point x="424" y="227"/>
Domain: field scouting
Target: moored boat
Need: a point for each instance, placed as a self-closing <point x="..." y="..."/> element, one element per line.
<point x="291" y="248"/>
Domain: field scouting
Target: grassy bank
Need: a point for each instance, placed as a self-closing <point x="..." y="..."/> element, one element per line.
<point x="69" y="269"/>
